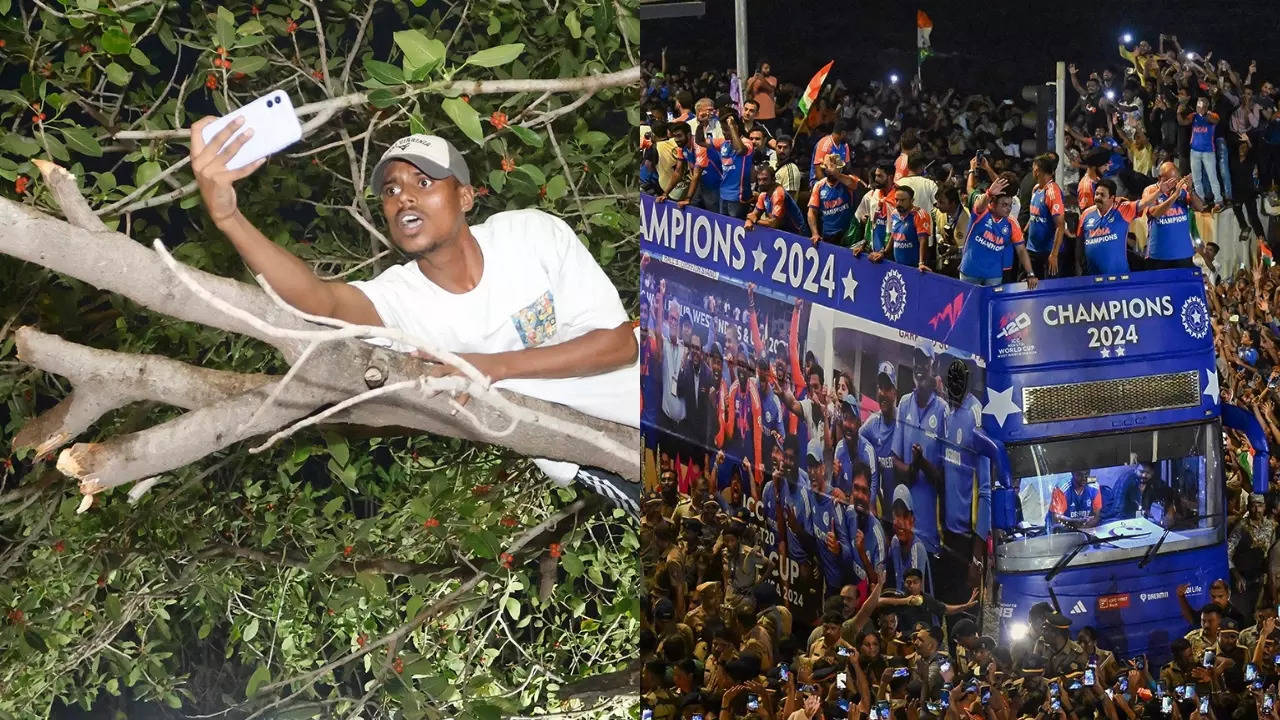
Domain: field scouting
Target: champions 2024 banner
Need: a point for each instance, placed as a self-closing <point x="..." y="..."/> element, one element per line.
<point x="826" y="404"/>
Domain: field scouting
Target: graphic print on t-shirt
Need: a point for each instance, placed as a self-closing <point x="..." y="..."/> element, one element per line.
<point x="536" y="323"/>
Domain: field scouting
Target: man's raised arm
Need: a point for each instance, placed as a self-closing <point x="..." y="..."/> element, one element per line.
<point x="289" y="276"/>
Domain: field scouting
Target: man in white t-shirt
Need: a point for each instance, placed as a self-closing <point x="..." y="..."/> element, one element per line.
<point x="518" y="296"/>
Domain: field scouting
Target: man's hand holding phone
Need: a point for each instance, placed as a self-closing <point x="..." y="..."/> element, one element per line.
<point x="209" y="161"/>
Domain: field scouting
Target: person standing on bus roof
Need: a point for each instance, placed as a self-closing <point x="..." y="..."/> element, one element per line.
<point x="993" y="239"/>
<point x="967" y="484"/>
<point x="1077" y="506"/>
<point x="1169" y="203"/>
<point x="774" y="206"/>
<point x="833" y="144"/>
<point x="917" y="446"/>
<point x="906" y="551"/>
<point x="1046" y="226"/>
<point x="873" y="211"/>
<point x="879" y="430"/>
<point x="735" y="165"/>
<point x="909" y="230"/>
<point x="1104" y="229"/>
<point x="704" y="176"/>
<point x="831" y="203"/>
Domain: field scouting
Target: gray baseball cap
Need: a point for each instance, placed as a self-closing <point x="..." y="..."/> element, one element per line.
<point x="431" y="154"/>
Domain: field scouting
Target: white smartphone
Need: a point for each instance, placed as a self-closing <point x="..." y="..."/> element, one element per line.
<point x="274" y="123"/>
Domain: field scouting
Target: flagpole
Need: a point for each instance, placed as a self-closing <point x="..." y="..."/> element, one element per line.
<point x="740" y="36"/>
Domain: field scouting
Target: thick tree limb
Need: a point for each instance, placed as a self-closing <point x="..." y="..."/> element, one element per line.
<point x="622" y="682"/>
<point x="342" y="568"/>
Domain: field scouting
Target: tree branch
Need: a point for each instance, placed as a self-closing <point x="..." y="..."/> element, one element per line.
<point x="341" y="568"/>
<point x="589" y="83"/>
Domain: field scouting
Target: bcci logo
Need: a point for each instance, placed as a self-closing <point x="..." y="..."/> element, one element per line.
<point x="1195" y="318"/>
<point x="893" y="295"/>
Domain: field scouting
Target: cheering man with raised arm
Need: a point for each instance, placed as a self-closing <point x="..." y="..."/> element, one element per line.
<point x="518" y="296"/>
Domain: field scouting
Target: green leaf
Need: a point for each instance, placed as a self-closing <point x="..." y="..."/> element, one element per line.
<point x="225" y="27"/>
<point x="557" y="187"/>
<point x="204" y="630"/>
<point x="116" y="42"/>
<point x="332" y="507"/>
<point x="513" y="608"/>
<point x="533" y="173"/>
<point x="248" y="64"/>
<point x="117" y="74"/>
<point x="482" y="544"/>
<point x="412" y="607"/>
<point x="20" y="144"/>
<point x="496" y="56"/>
<point x="87" y="4"/>
<point x="145" y="172"/>
<point x="260" y="677"/>
<point x="338" y="448"/>
<point x="465" y="117"/>
<point x="497" y="180"/>
<point x="114" y="611"/>
<point x="373" y="583"/>
<point x="572" y="564"/>
<point x="253" y="27"/>
<point x="250" y="630"/>
<point x="419" y="50"/>
<point x="416" y="126"/>
<point x="494" y="26"/>
<point x="571" y="22"/>
<point x="82" y="141"/>
<point x="382" y="98"/>
<point x="385" y="73"/>
<point x="528" y="136"/>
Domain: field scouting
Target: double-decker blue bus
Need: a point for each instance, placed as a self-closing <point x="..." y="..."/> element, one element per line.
<point x="1058" y="445"/>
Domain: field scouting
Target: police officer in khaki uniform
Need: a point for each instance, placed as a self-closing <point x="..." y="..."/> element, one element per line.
<point x="1063" y="655"/>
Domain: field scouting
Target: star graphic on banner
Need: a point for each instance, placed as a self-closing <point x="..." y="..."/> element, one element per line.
<point x="893" y="295"/>
<point x="1106" y="353"/>
<point x="1120" y="351"/>
<point x="1211" y="385"/>
<point x="1000" y="405"/>
<point x="760" y="255"/>
<point x="1195" y="317"/>
<point x="849" y="284"/>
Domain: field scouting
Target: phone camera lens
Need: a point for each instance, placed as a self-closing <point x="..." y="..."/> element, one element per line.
<point x="279" y="99"/>
<point x="269" y="102"/>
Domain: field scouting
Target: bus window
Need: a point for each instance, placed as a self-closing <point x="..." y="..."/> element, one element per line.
<point x="1141" y="488"/>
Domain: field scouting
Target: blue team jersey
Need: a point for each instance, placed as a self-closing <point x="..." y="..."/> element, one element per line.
<point x="866" y="454"/>
<point x="988" y="246"/>
<point x="1169" y="235"/>
<point x="1046" y="205"/>
<point x="696" y="155"/>
<point x="802" y="500"/>
<point x="906" y="233"/>
<point x="1201" y="133"/>
<point x="834" y="204"/>
<point x="873" y="538"/>
<point x="923" y="427"/>
<point x="735" y="171"/>
<point x="899" y="560"/>
<point x="1104" y="238"/>
<point x="772" y="419"/>
<point x="650" y="367"/>
<point x="780" y="204"/>
<point x="880" y="436"/>
<point x="966" y="471"/>
<point x="769" y="506"/>
<point x="824" y="519"/>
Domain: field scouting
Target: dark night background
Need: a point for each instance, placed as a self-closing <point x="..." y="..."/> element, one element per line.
<point x="998" y="45"/>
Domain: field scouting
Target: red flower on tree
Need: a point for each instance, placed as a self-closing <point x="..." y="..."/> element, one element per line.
<point x="509" y="521"/>
<point x="508" y="164"/>
<point x="361" y="640"/>
<point x="555" y="550"/>
<point x="398" y="666"/>
<point x="431" y="523"/>
<point x="346" y="551"/>
<point x="255" y="10"/>
<point x="498" y="119"/>
<point x="507" y="560"/>
<point x="482" y="191"/>
<point x="211" y="82"/>
<point x="20" y="185"/>
<point x="292" y="27"/>
<point x="59" y="546"/>
<point x="479" y="490"/>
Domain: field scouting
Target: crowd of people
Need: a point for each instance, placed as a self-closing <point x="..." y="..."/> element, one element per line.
<point x="732" y="570"/>
<point x="947" y="183"/>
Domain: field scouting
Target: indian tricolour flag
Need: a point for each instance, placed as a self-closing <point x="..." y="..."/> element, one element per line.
<point x="811" y="92"/>
<point x="924" y="26"/>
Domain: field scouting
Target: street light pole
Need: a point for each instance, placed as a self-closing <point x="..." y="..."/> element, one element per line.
<point x="1060" y="121"/>
<point x="740" y="34"/>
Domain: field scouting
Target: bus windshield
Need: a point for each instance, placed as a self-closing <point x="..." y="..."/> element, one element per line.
<point x="1161" y="486"/>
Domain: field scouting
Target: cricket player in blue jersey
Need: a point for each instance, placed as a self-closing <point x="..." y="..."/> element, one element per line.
<point x="850" y="448"/>
<point x="824" y="516"/>
<point x="917" y="445"/>
<point x="906" y="551"/>
<point x="967" y="500"/>
<point x="860" y="529"/>
<point x="878" y="431"/>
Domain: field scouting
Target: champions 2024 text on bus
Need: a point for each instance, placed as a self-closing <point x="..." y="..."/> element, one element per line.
<point x="1062" y="444"/>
